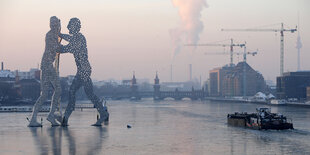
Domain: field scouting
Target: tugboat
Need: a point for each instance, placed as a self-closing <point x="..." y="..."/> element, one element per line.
<point x="262" y="119"/>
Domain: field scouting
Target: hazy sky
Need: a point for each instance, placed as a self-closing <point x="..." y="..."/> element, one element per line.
<point x="125" y="36"/>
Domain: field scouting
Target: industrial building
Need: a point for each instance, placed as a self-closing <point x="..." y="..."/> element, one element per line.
<point x="216" y="80"/>
<point x="229" y="81"/>
<point x="293" y="85"/>
<point x="233" y="82"/>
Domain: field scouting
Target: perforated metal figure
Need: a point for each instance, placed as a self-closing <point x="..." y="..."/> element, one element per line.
<point x="77" y="46"/>
<point x="48" y="74"/>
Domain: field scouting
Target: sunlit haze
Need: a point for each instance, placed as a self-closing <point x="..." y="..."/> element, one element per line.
<point x="125" y="36"/>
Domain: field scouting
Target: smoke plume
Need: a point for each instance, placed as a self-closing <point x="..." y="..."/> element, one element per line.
<point x="191" y="26"/>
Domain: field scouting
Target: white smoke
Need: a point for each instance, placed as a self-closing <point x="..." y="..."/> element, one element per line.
<point x="191" y="26"/>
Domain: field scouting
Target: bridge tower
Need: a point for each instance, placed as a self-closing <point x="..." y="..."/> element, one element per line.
<point x="156" y="88"/>
<point x="134" y="88"/>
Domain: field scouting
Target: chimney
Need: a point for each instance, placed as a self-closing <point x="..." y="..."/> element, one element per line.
<point x="16" y="76"/>
<point x="2" y="67"/>
<point x="171" y="73"/>
<point x="190" y="72"/>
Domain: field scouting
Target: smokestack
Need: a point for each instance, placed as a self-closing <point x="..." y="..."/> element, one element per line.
<point x="2" y="67"/>
<point x="16" y="76"/>
<point x="190" y="72"/>
<point x="200" y="80"/>
<point x="171" y="73"/>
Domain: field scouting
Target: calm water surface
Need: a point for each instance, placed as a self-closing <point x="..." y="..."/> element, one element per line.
<point x="165" y="127"/>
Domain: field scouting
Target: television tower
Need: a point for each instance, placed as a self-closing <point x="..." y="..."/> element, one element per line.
<point x="298" y="46"/>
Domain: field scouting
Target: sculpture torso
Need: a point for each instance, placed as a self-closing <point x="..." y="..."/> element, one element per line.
<point x="51" y="46"/>
<point x="78" y="47"/>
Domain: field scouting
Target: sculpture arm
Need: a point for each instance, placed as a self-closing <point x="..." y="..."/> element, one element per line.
<point x="66" y="49"/>
<point x="65" y="37"/>
<point x="52" y="43"/>
<point x="74" y="45"/>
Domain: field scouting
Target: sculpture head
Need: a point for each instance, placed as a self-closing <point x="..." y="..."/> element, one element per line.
<point x="55" y="24"/>
<point x="74" y="26"/>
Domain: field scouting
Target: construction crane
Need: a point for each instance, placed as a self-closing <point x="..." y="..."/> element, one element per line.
<point x="231" y="45"/>
<point x="281" y="30"/>
<point x="244" y="53"/>
<point x="236" y="53"/>
<point x="244" y="68"/>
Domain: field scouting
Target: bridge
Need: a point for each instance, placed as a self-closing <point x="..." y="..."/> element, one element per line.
<point x="157" y="94"/>
<point x="179" y="95"/>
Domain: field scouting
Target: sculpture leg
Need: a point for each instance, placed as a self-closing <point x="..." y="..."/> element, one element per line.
<point x="36" y="109"/>
<point x="76" y="84"/>
<point x="55" y="101"/>
<point x="104" y="114"/>
<point x="88" y="88"/>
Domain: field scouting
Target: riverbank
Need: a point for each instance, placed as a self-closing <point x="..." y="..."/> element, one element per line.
<point x="263" y="102"/>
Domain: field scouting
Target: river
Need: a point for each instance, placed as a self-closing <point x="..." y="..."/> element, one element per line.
<point x="163" y="127"/>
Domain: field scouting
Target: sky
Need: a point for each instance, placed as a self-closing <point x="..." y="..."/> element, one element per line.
<point x="125" y="36"/>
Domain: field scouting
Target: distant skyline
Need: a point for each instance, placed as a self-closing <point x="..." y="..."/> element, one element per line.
<point x="126" y="36"/>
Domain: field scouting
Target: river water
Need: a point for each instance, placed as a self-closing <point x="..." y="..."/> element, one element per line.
<point x="164" y="127"/>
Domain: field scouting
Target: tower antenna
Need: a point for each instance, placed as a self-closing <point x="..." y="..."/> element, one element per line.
<point x="298" y="46"/>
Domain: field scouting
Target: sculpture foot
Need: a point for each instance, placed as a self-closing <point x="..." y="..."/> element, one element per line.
<point x="64" y="125"/>
<point x="34" y="124"/>
<point x="54" y="125"/>
<point x="51" y="118"/>
<point x="97" y="124"/>
<point x="104" y="118"/>
<point x="106" y="122"/>
<point x="58" y="117"/>
<point x="64" y="122"/>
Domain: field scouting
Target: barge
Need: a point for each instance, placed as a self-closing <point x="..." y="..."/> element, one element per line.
<point x="262" y="119"/>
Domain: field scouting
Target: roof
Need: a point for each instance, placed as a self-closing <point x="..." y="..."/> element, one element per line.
<point x="270" y="96"/>
<point x="6" y="73"/>
<point x="260" y="95"/>
<point x="29" y="81"/>
<point x="299" y="73"/>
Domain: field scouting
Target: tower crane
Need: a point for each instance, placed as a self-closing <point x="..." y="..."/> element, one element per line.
<point x="244" y="68"/>
<point x="244" y="53"/>
<point x="281" y="30"/>
<point x="231" y="45"/>
<point x="236" y="53"/>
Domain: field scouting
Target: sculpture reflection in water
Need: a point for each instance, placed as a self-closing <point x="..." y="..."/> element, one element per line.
<point x="77" y="46"/>
<point x="49" y="77"/>
<point x="62" y="140"/>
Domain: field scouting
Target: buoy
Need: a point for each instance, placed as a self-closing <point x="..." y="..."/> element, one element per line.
<point x="128" y="126"/>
